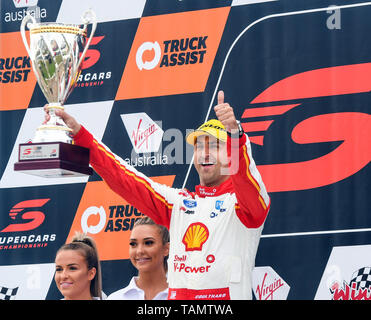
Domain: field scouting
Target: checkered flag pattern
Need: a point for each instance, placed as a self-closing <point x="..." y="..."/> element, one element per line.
<point x="8" y="293"/>
<point x="362" y="278"/>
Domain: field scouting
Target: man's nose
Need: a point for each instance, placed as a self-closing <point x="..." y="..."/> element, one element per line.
<point x="205" y="151"/>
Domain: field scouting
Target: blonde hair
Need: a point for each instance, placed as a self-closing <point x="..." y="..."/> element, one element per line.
<point x="87" y="246"/>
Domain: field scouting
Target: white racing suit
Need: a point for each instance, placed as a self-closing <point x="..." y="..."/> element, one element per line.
<point x="214" y="231"/>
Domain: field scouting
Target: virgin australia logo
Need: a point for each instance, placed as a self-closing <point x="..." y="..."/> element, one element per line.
<point x="268" y="285"/>
<point x="22" y="8"/>
<point x="145" y="135"/>
<point x="140" y="137"/>
<point x="25" y="3"/>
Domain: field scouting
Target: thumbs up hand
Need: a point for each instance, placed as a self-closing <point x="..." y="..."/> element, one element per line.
<point x="225" y="114"/>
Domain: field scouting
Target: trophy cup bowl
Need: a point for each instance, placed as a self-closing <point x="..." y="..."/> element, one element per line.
<point x="54" y="51"/>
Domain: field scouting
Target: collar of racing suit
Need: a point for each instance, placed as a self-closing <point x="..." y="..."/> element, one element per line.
<point x="203" y="191"/>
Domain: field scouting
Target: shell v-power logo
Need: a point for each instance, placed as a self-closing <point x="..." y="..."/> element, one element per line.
<point x="162" y="54"/>
<point x="195" y="236"/>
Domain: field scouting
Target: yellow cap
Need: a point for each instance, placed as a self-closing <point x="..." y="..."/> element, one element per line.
<point x="213" y="127"/>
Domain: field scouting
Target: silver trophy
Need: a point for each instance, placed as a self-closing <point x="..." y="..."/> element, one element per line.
<point x="54" y="50"/>
<point x="55" y="54"/>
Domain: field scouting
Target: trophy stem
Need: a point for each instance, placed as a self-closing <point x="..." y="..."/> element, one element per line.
<point x="55" y="129"/>
<point x="54" y="119"/>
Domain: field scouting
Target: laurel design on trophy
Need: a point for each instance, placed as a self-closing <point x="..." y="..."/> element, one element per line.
<point x="54" y="51"/>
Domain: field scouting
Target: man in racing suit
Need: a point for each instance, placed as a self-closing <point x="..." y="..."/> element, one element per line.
<point x="215" y="230"/>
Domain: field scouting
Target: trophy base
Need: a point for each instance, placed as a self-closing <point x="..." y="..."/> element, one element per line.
<point x="53" y="160"/>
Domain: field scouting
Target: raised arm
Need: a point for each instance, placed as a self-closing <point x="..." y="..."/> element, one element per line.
<point x="152" y="199"/>
<point x="253" y="200"/>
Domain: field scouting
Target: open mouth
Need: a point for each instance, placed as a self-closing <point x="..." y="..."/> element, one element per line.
<point x="207" y="164"/>
<point x="65" y="285"/>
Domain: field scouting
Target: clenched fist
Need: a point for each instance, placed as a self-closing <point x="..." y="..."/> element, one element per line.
<point x="68" y="119"/>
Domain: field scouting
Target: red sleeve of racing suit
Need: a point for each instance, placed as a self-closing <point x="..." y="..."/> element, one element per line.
<point x="146" y="195"/>
<point x="253" y="201"/>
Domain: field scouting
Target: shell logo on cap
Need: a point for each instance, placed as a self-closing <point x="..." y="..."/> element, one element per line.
<point x="195" y="236"/>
